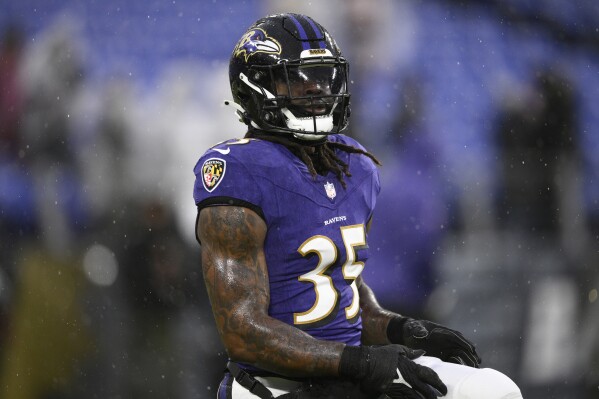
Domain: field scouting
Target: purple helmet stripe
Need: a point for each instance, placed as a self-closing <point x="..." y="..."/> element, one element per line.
<point x="317" y="31"/>
<point x="302" y="32"/>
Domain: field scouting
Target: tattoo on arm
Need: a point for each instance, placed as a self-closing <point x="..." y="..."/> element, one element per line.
<point x="236" y="277"/>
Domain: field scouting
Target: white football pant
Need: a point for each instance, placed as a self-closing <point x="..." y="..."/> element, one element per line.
<point x="462" y="382"/>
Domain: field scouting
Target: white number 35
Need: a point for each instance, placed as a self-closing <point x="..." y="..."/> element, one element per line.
<point x="326" y="294"/>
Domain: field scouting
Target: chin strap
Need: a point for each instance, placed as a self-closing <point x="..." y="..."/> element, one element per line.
<point x="239" y="111"/>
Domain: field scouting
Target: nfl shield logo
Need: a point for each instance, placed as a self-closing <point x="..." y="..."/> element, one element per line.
<point x="330" y="189"/>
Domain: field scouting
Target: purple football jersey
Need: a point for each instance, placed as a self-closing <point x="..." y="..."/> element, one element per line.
<point x="315" y="245"/>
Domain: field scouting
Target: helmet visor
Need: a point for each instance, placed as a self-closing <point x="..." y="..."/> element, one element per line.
<point x="310" y="89"/>
<point x="307" y="95"/>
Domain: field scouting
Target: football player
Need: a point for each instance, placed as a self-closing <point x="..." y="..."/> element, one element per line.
<point x="283" y="217"/>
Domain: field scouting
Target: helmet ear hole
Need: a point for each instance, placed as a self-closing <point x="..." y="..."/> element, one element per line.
<point x="268" y="116"/>
<point x="257" y="76"/>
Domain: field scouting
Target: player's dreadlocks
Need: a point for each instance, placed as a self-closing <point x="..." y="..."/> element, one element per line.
<point x="319" y="158"/>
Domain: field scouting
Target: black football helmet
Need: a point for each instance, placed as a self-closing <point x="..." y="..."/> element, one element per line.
<point x="288" y="76"/>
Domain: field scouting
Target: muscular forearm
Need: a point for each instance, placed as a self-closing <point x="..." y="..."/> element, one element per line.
<point x="272" y="345"/>
<point x="374" y="318"/>
<point x="236" y="279"/>
<point x="251" y="336"/>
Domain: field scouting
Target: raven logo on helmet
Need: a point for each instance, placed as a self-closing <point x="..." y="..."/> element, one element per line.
<point x="256" y="41"/>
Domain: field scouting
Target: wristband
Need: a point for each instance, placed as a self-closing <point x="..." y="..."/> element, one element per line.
<point x="354" y="362"/>
<point x="395" y="330"/>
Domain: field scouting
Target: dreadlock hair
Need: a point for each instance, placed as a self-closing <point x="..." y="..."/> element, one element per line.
<point x="320" y="158"/>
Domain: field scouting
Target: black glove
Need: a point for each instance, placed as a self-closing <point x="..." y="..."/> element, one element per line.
<point x="438" y="341"/>
<point x="377" y="366"/>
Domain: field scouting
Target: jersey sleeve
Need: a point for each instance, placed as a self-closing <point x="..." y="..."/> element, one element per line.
<point x="225" y="180"/>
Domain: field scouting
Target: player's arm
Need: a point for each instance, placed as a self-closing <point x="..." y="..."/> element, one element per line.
<point x="375" y="319"/>
<point x="236" y="278"/>
<point x="380" y="326"/>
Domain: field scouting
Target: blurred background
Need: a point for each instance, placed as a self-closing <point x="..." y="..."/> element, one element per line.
<point x="484" y="114"/>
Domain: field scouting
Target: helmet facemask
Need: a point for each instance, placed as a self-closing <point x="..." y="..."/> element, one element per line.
<point x="307" y="97"/>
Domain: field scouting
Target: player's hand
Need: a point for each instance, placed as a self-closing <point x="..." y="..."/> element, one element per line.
<point x="423" y="380"/>
<point x="439" y="341"/>
<point x="377" y="366"/>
